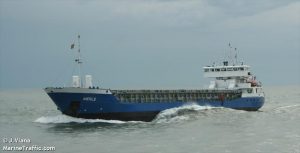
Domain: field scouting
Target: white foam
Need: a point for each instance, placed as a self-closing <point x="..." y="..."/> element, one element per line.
<point x="173" y="114"/>
<point x="68" y="119"/>
<point x="185" y="107"/>
<point x="285" y="107"/>
<point x="169" y="115"/>
<point x="288" y="108"/>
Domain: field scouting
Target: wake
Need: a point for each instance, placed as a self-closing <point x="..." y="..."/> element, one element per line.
<point x="288" y="108"/>
<point x="59" y="119"/>
<point x="176" y="114"/>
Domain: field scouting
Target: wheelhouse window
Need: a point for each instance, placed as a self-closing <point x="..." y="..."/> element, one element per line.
<point x="229" y="69"/>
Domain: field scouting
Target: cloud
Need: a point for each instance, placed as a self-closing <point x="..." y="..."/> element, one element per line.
<point x="173" y="34"/>
<point x="164" y="12"/>
<point x="148" y="12"/>
<point x="199" y="12"/>
<point x="235" y="8"/>
<point x="285" y="16"/>
<point x="142" y="12"/>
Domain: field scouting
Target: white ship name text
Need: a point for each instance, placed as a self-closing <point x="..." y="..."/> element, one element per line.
<point x="89" y="98"/>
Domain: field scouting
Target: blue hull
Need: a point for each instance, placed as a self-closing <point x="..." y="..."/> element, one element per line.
<point x="106" y="106"/>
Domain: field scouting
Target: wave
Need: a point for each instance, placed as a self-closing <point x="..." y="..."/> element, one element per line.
<point x="68" y="119"/>
<point x="176" y="114"/>
<point x="289" y="108"/>
<point x="285" y="107"/>
<point x="180" y="113"/>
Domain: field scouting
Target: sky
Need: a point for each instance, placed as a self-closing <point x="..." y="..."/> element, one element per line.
<point x="146" y="43"/>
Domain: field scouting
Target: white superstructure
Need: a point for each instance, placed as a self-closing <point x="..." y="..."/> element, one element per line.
<point x="233" y="76"/>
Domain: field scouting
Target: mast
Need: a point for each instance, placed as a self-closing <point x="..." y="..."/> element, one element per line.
<point x="78" y="60"/>
<point x="232" y="57"/>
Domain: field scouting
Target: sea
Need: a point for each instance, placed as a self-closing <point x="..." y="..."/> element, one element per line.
<point x="30" y="122"/>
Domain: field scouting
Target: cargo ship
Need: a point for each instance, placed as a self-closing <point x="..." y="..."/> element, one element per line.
<point x="232" y="86"/>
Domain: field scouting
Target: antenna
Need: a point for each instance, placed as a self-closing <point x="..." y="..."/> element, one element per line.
<point x="232" y="54"/>
<point x="235" y="56"/>
<point x="229" y="54"/>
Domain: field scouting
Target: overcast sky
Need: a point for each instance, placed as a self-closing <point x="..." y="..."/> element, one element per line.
<point x="146" y="43"/>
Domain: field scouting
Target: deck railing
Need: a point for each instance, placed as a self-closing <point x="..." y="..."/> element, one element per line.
<point x="149" y="96"/>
